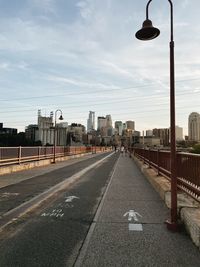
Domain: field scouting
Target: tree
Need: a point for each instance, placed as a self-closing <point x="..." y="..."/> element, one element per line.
<point x="196" y="149"/>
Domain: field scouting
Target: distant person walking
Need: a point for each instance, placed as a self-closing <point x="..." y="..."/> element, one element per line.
<point x="122" y="150"/>
<point x="126" y="151"/>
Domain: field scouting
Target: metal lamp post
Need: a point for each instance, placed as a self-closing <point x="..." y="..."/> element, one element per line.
<point x="54" y="140"/>
<point x="148" y="32"/>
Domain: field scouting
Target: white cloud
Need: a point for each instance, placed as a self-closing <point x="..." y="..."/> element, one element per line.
<point x="81" y="83"/>
<point x="47" y="6"/>
<point x="4" y="66"/>
<point x="184" y="3"/>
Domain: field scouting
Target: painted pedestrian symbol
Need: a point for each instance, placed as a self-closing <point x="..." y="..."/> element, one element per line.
<point x="132" y="215"/>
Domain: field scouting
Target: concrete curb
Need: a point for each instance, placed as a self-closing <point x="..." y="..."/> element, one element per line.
<point x="188" y="208"/>
<point x="33" y="164"/>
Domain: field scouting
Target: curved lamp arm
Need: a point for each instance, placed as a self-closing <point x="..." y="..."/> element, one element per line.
<point x="171" y="16"/>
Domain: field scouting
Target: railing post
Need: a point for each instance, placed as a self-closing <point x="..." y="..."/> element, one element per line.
<point x="38" y="153"/>
<point x="143" y="152"/>
<point x="19" y="154"/>
<point x="149" y="152"/>
<point x="158" y="162"/>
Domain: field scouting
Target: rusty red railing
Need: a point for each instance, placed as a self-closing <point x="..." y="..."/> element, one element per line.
<point x="188" y="168"/>
<point x="17" y="155"/>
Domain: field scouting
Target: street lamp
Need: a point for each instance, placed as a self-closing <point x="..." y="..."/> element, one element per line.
<point x="148" y="32"/>
<point x="54" y="140"/>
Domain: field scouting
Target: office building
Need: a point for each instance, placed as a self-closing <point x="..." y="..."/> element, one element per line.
<point x="130" y="125"/>
<point x="149" y="132"/>
<point x="109" y="125"/>
<point x="91" y="121"/>
<point x="163" y="134"/>
<point x="9" y="131"/>
<point x="194" y="127"/>
<point x="179" y="133"/>
<point x="119" y="127"/>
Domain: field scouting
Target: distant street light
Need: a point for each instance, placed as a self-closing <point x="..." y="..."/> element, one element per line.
<point x="54" y="140"/>
<point x="148" y="32"/>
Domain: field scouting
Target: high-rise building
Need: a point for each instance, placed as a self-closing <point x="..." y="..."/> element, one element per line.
<point x="163" y="134"/>
<point x="45" y="129"/>
<point x="109" y="125"/>
<point x="31" y="132"/>
<point x="101" y="122"/>
<point x="119" y="127"/>
<point x="130" y="125"/>
<point x="101" y="126"/>
<point x="91" y="121"/>
<point x="194" y="126"/>
<point x="179" y="133"/>
<point x="108" y="121"/>
<point x="149" y="132"/>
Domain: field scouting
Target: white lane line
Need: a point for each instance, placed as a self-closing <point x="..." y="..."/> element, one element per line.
<point x="39" y="199"/>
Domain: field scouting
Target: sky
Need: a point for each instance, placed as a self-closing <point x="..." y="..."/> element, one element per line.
<point x="82" y="55"/>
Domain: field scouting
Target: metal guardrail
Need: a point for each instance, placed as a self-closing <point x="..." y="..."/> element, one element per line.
<point x="17" y="155"/>
<point x="188" y="168"/>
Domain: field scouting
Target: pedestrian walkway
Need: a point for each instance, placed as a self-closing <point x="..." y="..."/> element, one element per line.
<point x="129" y="229"/>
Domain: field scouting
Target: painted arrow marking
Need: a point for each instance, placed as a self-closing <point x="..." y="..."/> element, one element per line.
<point x="71" y="198"/>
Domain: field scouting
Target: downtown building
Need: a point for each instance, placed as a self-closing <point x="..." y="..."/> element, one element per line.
<point x="44" y="131"/>
<point x="163" y="134"/>
<point x="194" y="127"/>
<point x="105" y="129"/>
<point x="119" y="127"/>
<point x="10" y="131"/>
<point x="130" y="125"/>
<point x="91" y="122"/>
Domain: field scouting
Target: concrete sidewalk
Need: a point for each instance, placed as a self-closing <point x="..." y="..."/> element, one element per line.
<point x="129" y="229"/>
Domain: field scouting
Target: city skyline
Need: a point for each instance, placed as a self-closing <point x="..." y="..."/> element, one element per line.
<point x="78" y="55"/>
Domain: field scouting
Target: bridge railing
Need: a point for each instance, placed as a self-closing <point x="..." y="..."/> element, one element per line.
<point x="188" y="168"/>
<point x="17" y="155"/>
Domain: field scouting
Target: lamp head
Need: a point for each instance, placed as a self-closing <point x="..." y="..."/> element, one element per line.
<point x="61" y="117"/>
<point x="148" y="32"/>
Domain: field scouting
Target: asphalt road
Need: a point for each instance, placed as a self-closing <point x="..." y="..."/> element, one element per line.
<point x="13" y="195"/>
<point x="53" y="236"/>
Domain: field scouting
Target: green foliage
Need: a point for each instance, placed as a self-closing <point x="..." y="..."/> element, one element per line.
<point x="196" y="149"/>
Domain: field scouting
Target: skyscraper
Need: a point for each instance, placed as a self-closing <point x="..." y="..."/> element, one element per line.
<point x="119" y="127"/>
<point x="108" y="121"/>
<point x="130" y="125"/>
<point x="194" y="126"/>
<point x="179" y="133"/>
<point x="109" y="125"/>
<point x="91" y="121"/>
<point x="101" y="122"/>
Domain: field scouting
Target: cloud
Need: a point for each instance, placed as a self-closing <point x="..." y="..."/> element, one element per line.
<point x="80" y="83"/>
<point x="184" y="3"/>
<point x="47" y="6"/>
<point x="4" y="66"/>
<point x="117" y="69"/>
